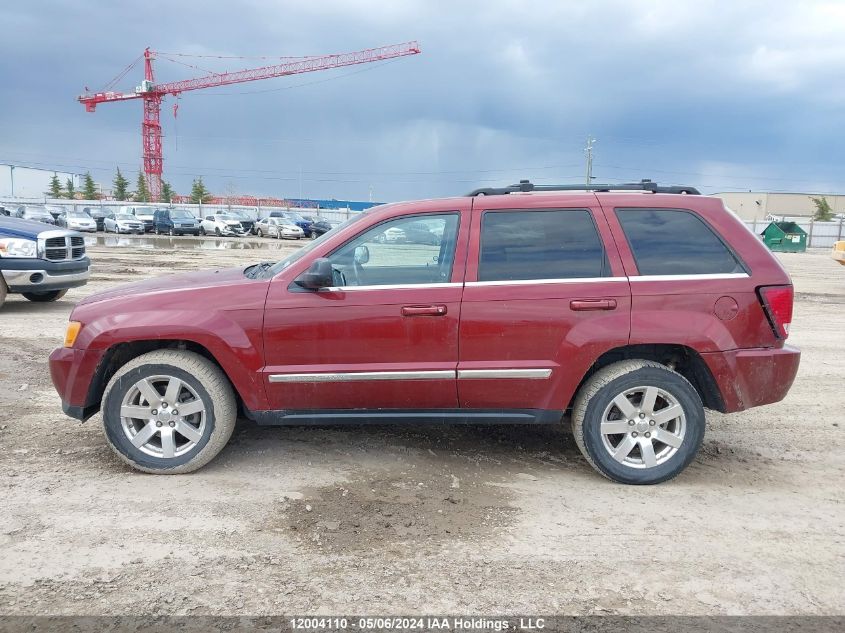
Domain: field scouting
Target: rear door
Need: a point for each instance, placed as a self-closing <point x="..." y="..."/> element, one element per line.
<point x="545" y="295"/>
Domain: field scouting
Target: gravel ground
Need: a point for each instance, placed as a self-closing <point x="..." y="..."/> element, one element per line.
<point x="388" y="520"/>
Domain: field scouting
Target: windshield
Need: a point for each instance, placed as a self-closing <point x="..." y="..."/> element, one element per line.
<point x="279" y="266"/>
<point x="181" y="214"/>
<point x="226" y="218"/>
<point x="295" y="217"/>
<point x="144" y="210"/>
<point x="36" y="212"/>
<point x="239" y="215"/>
<point x="78" y="214"/>
<point x="124" y="216"/>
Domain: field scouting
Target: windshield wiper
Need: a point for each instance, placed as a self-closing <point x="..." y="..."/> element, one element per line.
<point x="257" y="270"/>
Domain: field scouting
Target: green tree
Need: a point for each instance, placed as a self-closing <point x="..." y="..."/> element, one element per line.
<point x="71" y="191"/>
<point x="823" y="211"/>
<point x="89" y="189"/>
<point x="55" y="187"/>
<point x="198" y="192"/>
<point x="142" y="193"/>
<point x="121" y="186"/>
<point x="167" y="192"/>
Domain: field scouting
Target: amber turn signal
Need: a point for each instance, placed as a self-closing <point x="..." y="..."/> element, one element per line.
<point x="72" y="331"/>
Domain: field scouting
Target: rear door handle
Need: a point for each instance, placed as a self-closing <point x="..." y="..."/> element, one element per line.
<point x="410" y="311"/>
<point x="592" y="304"/>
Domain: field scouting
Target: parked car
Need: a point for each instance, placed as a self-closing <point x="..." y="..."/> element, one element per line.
<point x="221" y="224"/>
<point x="278" y="228"/>
<point x="633" y="310"/>
<point x="36" y="213"/>
<point x="246" y="222"/>
<point x="77" y="220"/>
<point x="295" y="218"/>
<point x="142" y="213"/>
<point x="175" y="222"/>
<point x="98" y="214"/>
<point x="5" y="211"/>
<point x="323" y="226"/>
<point x="55" y="210"/>
<point x="40" y="262"/>
<point x="123" y="223"/>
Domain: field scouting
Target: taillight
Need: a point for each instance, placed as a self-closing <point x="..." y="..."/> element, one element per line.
<point x="777" y="302"/>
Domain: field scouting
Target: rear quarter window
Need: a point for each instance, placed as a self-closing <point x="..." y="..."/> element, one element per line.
<point x="675" y="242"/>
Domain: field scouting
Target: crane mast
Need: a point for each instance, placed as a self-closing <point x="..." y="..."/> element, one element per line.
<point x="153" y="94"/>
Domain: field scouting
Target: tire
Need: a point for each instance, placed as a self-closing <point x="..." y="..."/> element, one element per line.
<point x="258" y="233"/>
<point x="201" y="380"/>
<point x="3" y="291"/>
<point x="171" y="232"/>
<point x="202" y="230"/>
<point x="595" y="403"/>
<point x="157" y="232"/>
<point x="313" y="235"/>
<point x="44" y="297"/>
<point x="217" y="231"/>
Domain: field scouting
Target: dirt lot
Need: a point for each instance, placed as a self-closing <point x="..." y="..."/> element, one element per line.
<point x="436" y="520"/>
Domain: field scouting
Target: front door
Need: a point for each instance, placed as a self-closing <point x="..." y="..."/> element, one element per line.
<point x="385" y="336"/>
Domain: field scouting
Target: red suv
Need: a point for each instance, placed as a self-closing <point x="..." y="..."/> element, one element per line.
<point x="633" y="310"/>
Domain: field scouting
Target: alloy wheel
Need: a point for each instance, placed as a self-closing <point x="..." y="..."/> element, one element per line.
<point x="163" y="416"/>
<point x="643" y="427"/>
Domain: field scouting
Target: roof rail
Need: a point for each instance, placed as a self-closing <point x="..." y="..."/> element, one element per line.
<point x="525" y="186"/>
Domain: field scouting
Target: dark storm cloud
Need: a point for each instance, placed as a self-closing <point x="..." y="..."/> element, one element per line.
<point x="722" y="95"/>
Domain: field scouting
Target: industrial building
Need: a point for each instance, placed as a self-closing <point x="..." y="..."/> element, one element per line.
<point x="758" y="205"/>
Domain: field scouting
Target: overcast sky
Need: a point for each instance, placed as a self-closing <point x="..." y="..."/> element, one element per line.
<point x="724" y="95"/>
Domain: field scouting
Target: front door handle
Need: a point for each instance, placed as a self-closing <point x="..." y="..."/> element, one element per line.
<point x="592" y="304"/>
<point x="409" y="311"/>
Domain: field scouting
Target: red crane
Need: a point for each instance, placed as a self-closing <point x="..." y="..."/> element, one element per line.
<point x="153" y="93"/>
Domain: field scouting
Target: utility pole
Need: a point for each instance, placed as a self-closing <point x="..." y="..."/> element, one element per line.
<point x="589" y="151"/>
<point x="12" y="178"/>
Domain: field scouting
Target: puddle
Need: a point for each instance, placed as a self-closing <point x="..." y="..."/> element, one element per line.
<point x="164" y="242"/>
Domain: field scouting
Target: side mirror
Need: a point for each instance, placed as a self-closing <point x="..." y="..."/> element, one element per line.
<point x="362" y="254"/>
<point x="318" y="275"/>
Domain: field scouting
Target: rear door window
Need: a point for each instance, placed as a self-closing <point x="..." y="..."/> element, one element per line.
<point x="675" y="242"/>
<point x="540" y="244"/>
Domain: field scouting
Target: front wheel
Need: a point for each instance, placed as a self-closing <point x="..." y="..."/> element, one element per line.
<point x="202" y="230"/>
<point x="168" y="412"/>
<point x="638" y="422"/>
<point x="44" y="297"/>
<point x="217" y="232"/>
<point x="258" y="233"/>
<point x="313" y="235"/>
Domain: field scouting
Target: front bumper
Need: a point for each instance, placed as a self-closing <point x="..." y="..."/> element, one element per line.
<point x="41" y="275"/>
<point x="71" y="371"/>
<point x="753" y="377"/>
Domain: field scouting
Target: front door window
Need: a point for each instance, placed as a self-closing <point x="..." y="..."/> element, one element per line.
<point x="406" y="251"/>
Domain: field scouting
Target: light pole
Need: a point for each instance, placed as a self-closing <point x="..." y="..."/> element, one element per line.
<point x="12" y="178"/>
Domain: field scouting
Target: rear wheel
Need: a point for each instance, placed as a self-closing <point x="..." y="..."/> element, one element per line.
<point x="168" y="412"/>
<point x="43" y="297"/>
<point x="638" y="422"/>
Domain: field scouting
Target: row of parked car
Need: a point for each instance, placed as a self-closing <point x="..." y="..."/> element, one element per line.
<point x="175" y="221"/>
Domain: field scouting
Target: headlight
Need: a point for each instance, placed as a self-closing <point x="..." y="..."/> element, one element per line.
<point x="13" y="247"/>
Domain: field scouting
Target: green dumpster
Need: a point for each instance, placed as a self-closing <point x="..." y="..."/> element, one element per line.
<point x="785" y="237"/>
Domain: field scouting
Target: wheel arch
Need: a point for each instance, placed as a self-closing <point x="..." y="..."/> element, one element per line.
<point x="681" y="358"/>
<point x="121" y="353"/>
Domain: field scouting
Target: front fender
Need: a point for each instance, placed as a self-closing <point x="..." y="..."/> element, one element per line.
<point x="233" y="338"/>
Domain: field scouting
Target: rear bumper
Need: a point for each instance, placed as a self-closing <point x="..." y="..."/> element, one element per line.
<point x="753" y="377"/>
<point x="72" y="371"/>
